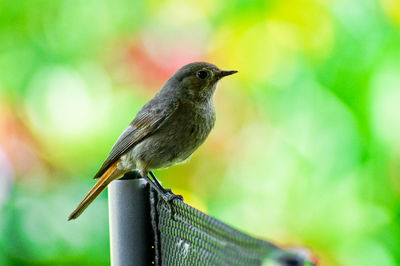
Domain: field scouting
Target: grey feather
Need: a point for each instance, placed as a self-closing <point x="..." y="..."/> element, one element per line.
<point x="149" y="119"/>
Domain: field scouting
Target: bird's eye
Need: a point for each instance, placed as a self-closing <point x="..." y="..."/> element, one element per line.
<point x="202" y="74"/>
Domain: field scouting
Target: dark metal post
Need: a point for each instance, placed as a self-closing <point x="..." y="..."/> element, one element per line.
<point x="131" y="234"/>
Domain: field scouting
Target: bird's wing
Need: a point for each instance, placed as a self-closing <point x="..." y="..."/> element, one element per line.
<point x="149" y="119"/>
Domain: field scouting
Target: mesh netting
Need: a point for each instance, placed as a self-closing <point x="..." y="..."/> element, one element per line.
<point x="194" y="238"/>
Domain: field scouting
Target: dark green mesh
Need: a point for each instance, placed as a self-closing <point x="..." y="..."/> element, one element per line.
<point x="194" y="238"/>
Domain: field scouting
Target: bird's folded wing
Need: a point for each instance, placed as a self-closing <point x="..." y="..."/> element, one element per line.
<point x="149" y="119"/>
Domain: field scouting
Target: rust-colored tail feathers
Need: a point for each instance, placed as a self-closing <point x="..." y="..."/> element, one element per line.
<point x="108" y="176"/>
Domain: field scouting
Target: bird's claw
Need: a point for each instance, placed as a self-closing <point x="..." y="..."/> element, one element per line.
<point x="169" y="197"/>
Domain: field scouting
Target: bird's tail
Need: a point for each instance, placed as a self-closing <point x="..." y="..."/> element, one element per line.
<point x="108" y="176"/>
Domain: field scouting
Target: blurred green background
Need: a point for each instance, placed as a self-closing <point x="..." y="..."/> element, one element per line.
<point x="306" y="147"/>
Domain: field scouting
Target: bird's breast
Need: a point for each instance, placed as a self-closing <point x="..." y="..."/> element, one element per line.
<point x="177" y="138"/>
<point x="191" y="125"/>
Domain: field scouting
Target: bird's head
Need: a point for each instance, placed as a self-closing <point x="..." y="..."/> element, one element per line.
<point x="197" y="81"/>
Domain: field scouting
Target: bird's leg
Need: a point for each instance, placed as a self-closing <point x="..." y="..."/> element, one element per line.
<point x="166" y="194"/>
<point x="157" y="183"/>
<point x="155" y="186"/>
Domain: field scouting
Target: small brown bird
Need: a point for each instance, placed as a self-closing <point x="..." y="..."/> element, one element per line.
<point x="166" y="131"/>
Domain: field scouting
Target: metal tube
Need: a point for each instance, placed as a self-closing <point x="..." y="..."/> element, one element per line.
<point x="131" y="236"/>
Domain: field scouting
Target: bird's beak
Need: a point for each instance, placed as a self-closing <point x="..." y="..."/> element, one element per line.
<point x="224" y="73"/>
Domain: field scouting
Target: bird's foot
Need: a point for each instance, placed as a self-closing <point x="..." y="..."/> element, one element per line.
<point x="168" y="196"/>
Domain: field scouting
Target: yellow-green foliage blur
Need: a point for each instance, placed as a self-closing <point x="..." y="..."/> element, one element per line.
<point x="306" y="147"/>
